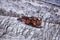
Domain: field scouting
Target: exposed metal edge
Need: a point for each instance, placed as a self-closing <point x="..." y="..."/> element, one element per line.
<point x="55" y="2"/>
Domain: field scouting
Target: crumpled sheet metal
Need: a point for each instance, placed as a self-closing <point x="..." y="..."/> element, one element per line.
<point x="14" y="30"/>
<point x="31" y="10"/>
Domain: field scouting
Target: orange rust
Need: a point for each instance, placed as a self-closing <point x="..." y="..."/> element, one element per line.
<point x="34" y="21"/>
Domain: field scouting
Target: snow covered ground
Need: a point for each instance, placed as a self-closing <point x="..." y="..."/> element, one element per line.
<point x="12" y="29"/>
